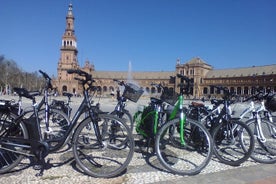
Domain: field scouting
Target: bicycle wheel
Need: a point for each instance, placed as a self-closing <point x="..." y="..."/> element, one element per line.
<point x="265" y="141"/>
<point x="108" y="154"/>
<point x="8" y="156"/>
<point x="58" y="126"/>
<point x="126" y="116"/>
<point x="233" y="142"/>
<point x="188" y="157"/>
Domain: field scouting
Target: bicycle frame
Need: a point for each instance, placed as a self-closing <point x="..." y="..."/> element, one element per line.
<point x="178" y="107"/>
<point x="256" y="114"/>
<point x="34" y="141"/>
<point x="182" y="118"/>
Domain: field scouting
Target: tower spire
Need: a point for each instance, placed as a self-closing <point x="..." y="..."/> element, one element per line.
<point x="69" y="39"/>
<point x="68" y="54"/>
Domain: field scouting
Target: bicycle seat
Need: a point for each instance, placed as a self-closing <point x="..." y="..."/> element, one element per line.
<point x="34" y="93"/>
<point x="22" y="92"/>
<point x="197" y="104"/>
<point x="156" y="100"/>
<point x="69" y="95"/>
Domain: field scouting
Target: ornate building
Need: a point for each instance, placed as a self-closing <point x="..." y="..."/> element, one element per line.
<point x="240" y="80"/>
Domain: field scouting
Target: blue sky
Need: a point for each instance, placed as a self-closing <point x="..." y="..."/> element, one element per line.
<point x="151" y="34"/>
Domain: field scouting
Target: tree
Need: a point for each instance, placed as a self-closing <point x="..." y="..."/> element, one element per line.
<point x="12" y="76"/>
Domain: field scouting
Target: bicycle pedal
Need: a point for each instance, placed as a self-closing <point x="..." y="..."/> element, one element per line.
<point x="37" y="166"/>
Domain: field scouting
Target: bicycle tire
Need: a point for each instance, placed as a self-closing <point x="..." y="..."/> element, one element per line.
<point x="265" y="150"/>
<point x="110" y="158"/>
<point x="234" y="149"/>
<point x="189" y="158"/>
<point x="125" y="115"/>
<point x="9" y="159"/>
<point x="58" y="127"/>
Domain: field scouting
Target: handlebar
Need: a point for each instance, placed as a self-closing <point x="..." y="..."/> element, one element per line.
<point x="185" y="88"/>
<point x="224" y="89"/>
<point x="259" y="96"/>
<point x="184" y="78"/>
<point x="157" y="85"/>
<point x="48" y="79"/>
<point x="87" y="77"/>
<point x="121" y="83"/>
<point x="45" y="75"/>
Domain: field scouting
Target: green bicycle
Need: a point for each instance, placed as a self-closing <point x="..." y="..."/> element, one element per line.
<point x="182" y="145"/>
<point x="150" y="118"/>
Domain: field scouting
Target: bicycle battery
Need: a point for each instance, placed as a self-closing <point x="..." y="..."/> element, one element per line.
<point x="33" y="128"/>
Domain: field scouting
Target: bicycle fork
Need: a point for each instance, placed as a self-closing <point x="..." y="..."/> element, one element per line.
<point x="182" y="118"/>
<point x="259" y="130"/>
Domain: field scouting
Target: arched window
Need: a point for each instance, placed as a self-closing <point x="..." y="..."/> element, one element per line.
<point x="153" y="90"/>
<point x="64" y="88"/>
<point x="212" y="90"/>
<point x="232" y="90"/>
<point x="239" y="90"/>
<point x="205" y="90"/>
<point x="104" y="89"/>
<point x="246" y="90"/>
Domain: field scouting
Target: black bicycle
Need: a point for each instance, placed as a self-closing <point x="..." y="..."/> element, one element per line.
<point x="102" y="144"/>
<point x="53" y="120"/>
<point x="233" y="139"/>
<point x="131" y="92"/>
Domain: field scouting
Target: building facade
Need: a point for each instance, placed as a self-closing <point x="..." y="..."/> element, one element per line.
<point x="239" y="80"/>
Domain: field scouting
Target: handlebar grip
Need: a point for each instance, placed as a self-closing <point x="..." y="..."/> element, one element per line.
<point x="121" y="83"/>
<point x="45" y="75"/>
<point x="71" y="71"/>
<point x="79" y="79"/>
<point x="183" y="77"/>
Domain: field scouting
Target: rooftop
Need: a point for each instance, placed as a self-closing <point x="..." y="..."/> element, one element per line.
<point x="248" y="71"/>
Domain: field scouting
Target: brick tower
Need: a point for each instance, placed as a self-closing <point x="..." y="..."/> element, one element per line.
<point x="68" y="57"/>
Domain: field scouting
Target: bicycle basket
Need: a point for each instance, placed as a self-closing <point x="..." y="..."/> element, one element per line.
<point x="132" y="92"/>
<point x="169" y="96"/>
<point x="270" y="103"/>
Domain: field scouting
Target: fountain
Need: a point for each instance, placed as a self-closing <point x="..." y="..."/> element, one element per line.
<point x="129" y="73"/>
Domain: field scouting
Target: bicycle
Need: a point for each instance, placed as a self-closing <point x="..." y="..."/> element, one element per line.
<point x="53" y="121"/>
<point x="233" y="139"/>
<point x="264" y="129"/>
<point x="102" y="144"/>
<point x="183" y="146"/>
<point x="150" y="118"/>
<point x="64" y="106"/>
<point x="131" y="92"/>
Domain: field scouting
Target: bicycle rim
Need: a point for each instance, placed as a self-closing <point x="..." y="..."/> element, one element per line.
<point x="110" y="158"/>
<point x="233" y="142"/>
<point x="188" y="158"/>
<point x="58" y="126"/>
<point x="265" y="147"/>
